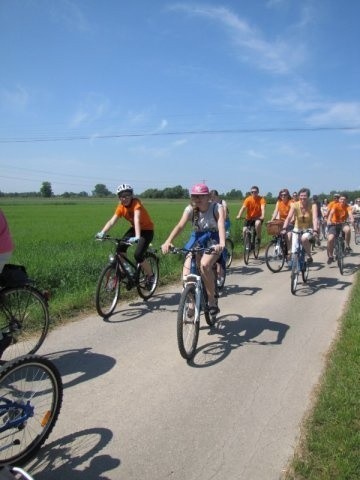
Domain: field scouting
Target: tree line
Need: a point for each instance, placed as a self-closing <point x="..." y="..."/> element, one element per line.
<point x="177" y="192"/>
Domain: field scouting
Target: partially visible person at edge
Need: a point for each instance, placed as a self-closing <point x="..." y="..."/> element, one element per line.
<point x="356" y="207"/>
<point x="141" y="231"/>
<point x="254" y="205"/>
<point x="281" y="211"/>
<point x="208" y="223"/>
<point x="6" y="242"/>
<point x="294" y="197"/>
<point x="324" y="208"/>
<point x="338" y="215"/>
<point x="214" y="197"/>
<point x="317" y="202"/>
<point x="304" y="214"/>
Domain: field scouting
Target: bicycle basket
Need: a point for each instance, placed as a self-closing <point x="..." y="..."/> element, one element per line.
<point x="13" y="276"/>
<point x="274" y="227"/>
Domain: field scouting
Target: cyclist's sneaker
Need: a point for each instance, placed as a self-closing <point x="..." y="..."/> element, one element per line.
<point x="149" y="282"/>
<point x="214" y="310"/>
<point x="4" y="343"/>
<point x="220" y="281"/>
<point x="310" y="260"/>
<point x="348" y="249"/>
<point x="330" y="260"/>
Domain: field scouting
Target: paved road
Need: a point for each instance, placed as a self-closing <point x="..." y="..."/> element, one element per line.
<point x="134" y="409"/>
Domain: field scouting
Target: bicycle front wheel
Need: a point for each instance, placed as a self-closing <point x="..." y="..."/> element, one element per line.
<point x="146" y="286"/>
<point x="24" y="321"/>
<point x="229" y="245"/>
<point x="107" y="291"/>
<point x="31" y="394"/>
<point x="256" y="247"/>
<point x="340" y="256"/>
<point x="305" y="271"/>
<point x="247" y="247"/>
<point x="294" y="273"/>
<point x="188" y="323"/>
<point x="274" y="256"/>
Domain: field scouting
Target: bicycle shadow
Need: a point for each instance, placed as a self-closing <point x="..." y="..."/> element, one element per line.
<point x="245" y="270"/>
<point x="315" y="284"/>
<point x="139" y="307"/>
<point x="232" y="332"/>
<point x="58" y="460"/>
<point x="80" y="365"/>
<point x="234" y="289"/>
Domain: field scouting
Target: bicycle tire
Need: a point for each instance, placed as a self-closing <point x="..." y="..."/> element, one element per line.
<point x="188" y="325"/>
<point x="146" y="290"/>
<point x="24" y="319"/>
<point x="274" y="256"/>
<point x="36" y="380"/>
<point x="229" y="245"/>
<point x="247" y="247"/>
<point x="357" y="233"/>
<point x="256" y="248"/>
<point x="107" y="291"/>
<point x="305" y="271"/>
<point x="340" y="255"/>
<point x="294" y="273"/>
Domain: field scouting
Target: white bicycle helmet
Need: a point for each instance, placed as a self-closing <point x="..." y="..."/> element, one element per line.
<point x="124" y="187"/>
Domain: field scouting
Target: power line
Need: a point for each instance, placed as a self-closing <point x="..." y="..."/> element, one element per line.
<point x="184" y="132"/>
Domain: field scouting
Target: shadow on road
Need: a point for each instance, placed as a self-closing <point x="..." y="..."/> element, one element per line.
<point x="80" y="365"/>
<point x="58" y="460"/>
<point x="233" y="331"/>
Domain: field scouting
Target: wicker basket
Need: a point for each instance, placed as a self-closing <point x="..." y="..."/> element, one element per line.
<point x="274" y="227"/>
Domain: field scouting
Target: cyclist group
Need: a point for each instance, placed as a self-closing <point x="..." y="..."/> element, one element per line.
<point x="209" y="217"/>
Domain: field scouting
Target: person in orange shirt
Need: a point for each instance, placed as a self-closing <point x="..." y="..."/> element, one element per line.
<point x="281" y="211"/>
<point x="339" y="213"/>
<point x="333" y="202"/>
<point x="254" y="205"/>
<point x="141" y="231"/>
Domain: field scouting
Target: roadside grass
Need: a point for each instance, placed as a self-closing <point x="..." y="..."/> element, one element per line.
<point x="330" y="444"/>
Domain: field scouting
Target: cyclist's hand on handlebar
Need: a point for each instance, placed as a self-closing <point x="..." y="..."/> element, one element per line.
<point x="133" y="239"/>
<point x="166" y="247"/>
<point x="100" y="235"/>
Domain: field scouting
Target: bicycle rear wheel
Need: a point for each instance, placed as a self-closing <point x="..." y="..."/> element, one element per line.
<point x="188" y="323"/>
<point x="145" y="286"/>
<point x="229" y="245"/>
<point x="340" y="255"/>
<point x="274" y="256"/>
<point x="107" y="291"/>
<point x="31" y="382"/>
<point x="24" y="321"/>
<point x="294" y="273"/>
<point x="247" y="247"/>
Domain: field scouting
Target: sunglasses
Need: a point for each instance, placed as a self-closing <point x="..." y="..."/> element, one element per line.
<point x="254" y="191"/>
<point x="126" y="195"/>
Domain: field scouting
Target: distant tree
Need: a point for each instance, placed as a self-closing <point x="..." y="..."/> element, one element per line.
<point x="100" y="190"/>
<point x="46" y="190"/>
<point x="83" y="194"/>
<point x="235" y="194"/>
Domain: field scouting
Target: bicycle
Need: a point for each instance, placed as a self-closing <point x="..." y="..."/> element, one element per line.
<point x="277" y="250"/>
<point x="193" y="301"/>
<point x="229" y="249"/>
<point x="357" y="229"/>
<point x="31" y="393"/>
<point x="24" y="314"/>
<point x="251" y="242"/>
<point x="339" y="247"/>
<point x="323" y="232"/>
<point x="121" y="271"/>
<point x="298" y="262"/>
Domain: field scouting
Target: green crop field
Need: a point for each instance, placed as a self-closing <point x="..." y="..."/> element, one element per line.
<point x="54" y="239"/>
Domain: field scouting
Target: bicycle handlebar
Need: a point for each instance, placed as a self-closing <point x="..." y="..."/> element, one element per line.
<point x="114" y="240"/>
<point x="192" y="250"/>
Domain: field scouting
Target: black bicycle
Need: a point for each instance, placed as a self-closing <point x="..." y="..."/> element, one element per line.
<point x="276" y="250"/>
<point x="251" y="242"/>
<point x="339" y="247"/>
<point x="229" y="250"/>
<point x="193" y="301"/>
<point x="357" y="229"/>
<point x="31" y="393"/>
<point x="121" y="272"/>
<point x="24" y="314"/>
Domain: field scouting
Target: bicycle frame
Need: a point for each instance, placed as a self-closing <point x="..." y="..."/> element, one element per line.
<point x="23" y="412"/>
<point x="250" y="243"/>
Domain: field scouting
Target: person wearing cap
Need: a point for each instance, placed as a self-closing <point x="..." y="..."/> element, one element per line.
<point x="141" y="230"/>
<point x="254" y="205"/>
<point x="339" y="214"/>
<point x="208" y="225"/>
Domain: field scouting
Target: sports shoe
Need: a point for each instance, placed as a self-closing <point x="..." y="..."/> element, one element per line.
<point x="4" y="343"/>
<point x="348" y="249"/>
<point x="330" y="260"/>
<point x="149" y="282"/>
<point x="310" y="260"/>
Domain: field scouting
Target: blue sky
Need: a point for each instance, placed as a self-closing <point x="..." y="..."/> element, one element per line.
<point x="160" y="93"/>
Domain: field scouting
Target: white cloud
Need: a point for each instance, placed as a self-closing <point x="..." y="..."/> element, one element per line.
<point x="279" y="57"/>
<point x="337" y="114"/>
<point x="16" y="99"/>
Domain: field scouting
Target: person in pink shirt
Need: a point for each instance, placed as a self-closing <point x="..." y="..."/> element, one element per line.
<point x="6" y="242"/>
